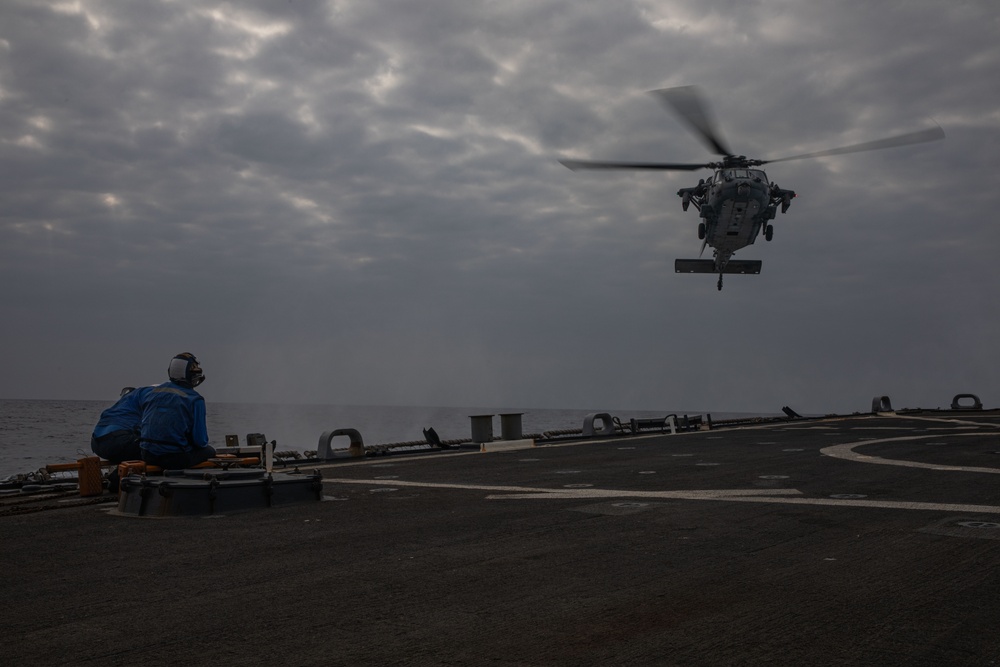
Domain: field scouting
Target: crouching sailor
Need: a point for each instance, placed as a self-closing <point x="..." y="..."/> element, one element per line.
<point x="174" y="434"/>
<point x="116" y="436"/>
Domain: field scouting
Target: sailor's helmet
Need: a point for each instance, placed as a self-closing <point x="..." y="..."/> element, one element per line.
<point x="185" y="370"/>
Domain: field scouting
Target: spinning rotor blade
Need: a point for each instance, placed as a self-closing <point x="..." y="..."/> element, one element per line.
<point x="687" y="102"/>
<point x="933" y="134"/>
<point x="577" y="165"/>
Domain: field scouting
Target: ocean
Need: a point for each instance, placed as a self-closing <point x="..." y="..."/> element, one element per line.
<point x="34" y="433"/>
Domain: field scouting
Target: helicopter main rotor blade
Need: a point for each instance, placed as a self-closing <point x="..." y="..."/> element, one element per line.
<point x="687" y="102"/>
<point x="933" y="134"/>
<point x="577" y="165"/>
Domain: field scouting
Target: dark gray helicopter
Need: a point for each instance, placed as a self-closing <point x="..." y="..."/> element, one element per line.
<point x="738" y="201"/>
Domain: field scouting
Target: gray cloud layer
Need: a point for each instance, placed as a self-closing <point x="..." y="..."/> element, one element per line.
<point x="359" y="202"/>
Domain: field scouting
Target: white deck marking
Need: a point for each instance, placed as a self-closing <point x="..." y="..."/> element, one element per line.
<point x="943" y="420"/>
<point x="781" y="496"/>
<point x="808" y="428"/>
<point x="846" y="452"/>
<point x="573" y="493"/>
<point x="878" y="428"/>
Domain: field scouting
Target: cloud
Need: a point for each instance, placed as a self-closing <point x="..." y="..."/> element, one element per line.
<point x="352" y="202"/>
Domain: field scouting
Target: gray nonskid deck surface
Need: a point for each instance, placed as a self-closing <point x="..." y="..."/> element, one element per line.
<point x="850" y="541"/>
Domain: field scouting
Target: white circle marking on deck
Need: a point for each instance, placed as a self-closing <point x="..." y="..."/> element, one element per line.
<point x="847" y="453"/>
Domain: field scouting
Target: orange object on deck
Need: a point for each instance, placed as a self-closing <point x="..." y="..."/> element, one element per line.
<point x="126" y="468"/>
<point x="90" y="479"/>
<point x="92" y="483"/>
<point x="66" y="467"/>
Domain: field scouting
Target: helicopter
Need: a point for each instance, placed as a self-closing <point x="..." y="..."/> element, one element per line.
<point x="737" y="202"/>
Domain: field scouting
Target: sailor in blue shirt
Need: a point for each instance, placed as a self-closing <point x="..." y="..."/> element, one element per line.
<point x="116" y="436"/>
<point x="173" y="433"/>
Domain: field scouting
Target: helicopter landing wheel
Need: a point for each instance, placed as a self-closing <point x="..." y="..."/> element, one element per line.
<point x="701" y="231"/>
<point x="720" y="283"/>
<point x="769" y="232"/>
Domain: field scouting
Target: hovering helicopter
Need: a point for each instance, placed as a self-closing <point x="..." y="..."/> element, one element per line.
<point x="738" y="201"/>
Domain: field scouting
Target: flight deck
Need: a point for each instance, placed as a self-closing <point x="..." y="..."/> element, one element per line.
<point x="852" y="540"/>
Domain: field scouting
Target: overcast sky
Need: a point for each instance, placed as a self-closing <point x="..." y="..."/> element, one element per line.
<point x="360" y="202"/>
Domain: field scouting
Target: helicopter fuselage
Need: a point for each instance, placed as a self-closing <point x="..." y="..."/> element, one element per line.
<point x="735" y="205"/>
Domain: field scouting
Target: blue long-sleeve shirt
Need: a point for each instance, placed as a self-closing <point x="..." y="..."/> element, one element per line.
<point x="173" y="419"/>
<point x="124" y="415"/>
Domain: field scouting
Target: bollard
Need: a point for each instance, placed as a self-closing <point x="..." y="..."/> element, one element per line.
<point x="607" y="427"/>
<point x="881" y="404"/>
<point x="956" y="403"/>
<point x="510" y="425"/>
<point x="482" y="428"/>
<point x="325" y="451"/>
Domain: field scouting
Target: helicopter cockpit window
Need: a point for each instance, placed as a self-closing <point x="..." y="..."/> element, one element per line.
<point x="758" y="176"/>
<point x="741" y="173"/>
